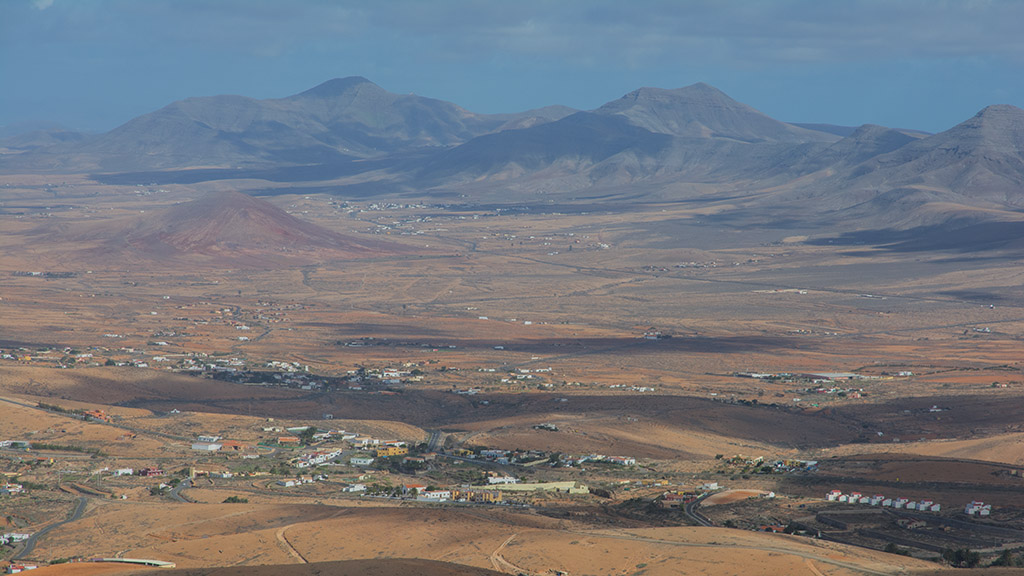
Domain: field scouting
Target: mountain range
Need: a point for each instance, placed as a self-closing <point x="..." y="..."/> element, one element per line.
<point x="651" y="144"/>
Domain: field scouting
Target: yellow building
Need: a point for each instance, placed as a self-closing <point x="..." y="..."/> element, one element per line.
<point x="385" y="451"/>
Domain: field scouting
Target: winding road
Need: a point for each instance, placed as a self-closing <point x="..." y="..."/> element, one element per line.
<point x="30" y="544"/>
<point x="175" y="492"/>
<point x="692" y="512"/>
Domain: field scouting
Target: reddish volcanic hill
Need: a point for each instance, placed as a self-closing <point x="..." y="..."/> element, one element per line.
<point x="222" y="229"/>
<point x="235" y="221"/>
<point x="236" y="227"/>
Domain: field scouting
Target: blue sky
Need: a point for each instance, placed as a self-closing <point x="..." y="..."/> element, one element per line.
<point x="926" y="64"/>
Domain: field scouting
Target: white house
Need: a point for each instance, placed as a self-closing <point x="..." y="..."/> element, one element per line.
<point x="360" y="460"/>
<point x="206" y="446"/>
<point x="11" y="489"/>
<point x="354" y="488"/>
<point x="502" y="480"/>
<point x="439" y="495"/>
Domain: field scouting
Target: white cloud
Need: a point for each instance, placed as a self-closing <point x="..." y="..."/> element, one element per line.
<point x="42" y="4"/>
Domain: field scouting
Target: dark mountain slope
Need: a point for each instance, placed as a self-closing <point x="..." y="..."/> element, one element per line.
<point x="336" y="122"/>
<point x="695" y="133"/>
<point x="981" y="159"/>
<point x="583" y="137"/>
<point x="946" y="183"/>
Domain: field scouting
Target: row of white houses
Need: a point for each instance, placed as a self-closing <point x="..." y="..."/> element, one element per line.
<point x="880" y="500"/>
<point x="316" y="458"/>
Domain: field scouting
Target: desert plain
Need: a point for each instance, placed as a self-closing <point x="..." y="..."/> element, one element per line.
<point x="699" y="354"/>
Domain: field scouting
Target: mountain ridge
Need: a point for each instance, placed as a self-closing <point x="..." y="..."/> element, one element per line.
<point x="650" y="143"/>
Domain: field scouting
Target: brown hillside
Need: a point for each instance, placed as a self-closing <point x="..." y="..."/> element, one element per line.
<point x="226" y="222"/>
<point x="382" y="567"/>
<point x="222" y="229"/>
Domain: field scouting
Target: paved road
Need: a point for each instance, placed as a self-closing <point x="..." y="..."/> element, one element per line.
<point x="692" y="512"/>
<point x="434" y="440"/>
<point x="176" y="491"/>
<point x="30" y="544"/>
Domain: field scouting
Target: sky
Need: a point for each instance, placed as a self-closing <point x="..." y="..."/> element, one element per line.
<point x="92" y="65"/>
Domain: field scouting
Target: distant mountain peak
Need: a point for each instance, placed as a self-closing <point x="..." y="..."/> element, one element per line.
<point x="703" y="111"/>
<point x="691" y="92"/>
<point x="997" y="129"/>
<point x="336" y="87"/>
<point x="1000" y="109"/>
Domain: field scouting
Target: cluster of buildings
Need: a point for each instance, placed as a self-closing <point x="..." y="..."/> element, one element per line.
<point x="208" y="443"/>
<point x="290" y="482"/>
<point x="578" y="460"/>
<point x="13" y="537"/>
<point x="534" y="457"/>
<point x="924" y="505"/>
<point x="978" y="508"/>
<point x="316" y="458"/>
<point x="19" y="568"/>
<point x="16" y="444"/>
<point x="460" y="494"/>
<point x="11" y="489"/>
<point x="776" y="466"/>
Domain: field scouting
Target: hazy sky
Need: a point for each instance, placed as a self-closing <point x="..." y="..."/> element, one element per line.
<point x="927" y="64"/>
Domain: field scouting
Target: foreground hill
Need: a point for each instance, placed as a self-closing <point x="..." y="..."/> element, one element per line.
<point x="378" y="567"/>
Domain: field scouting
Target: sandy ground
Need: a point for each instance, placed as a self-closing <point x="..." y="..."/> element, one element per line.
<point x="1003" y="448"/>
<point x="730" y="496"/>
<point x="21" y="423"/>
<point x="92" y="569"/>
<point x="204" y="535"/>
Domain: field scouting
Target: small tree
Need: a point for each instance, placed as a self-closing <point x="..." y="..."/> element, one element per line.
<point x="306" y="436"/>
<point x="1006" y="559"/>
<point x="961" y="557"/>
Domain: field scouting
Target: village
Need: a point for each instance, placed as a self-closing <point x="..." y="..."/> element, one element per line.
<point x="290" y="460"/>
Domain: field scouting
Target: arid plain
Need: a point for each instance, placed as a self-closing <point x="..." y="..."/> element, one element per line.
<point x="700" y="350"/>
